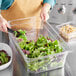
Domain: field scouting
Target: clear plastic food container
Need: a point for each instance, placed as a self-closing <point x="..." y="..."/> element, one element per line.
<point x="67" y="31"/>
<point x="45" y="63"/>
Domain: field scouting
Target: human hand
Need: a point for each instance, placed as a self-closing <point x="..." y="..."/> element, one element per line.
<point x="3" y="24"/>
<point x="44" y="12"/>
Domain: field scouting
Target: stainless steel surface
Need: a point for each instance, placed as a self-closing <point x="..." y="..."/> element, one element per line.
<point x="8" y="71"/>
<point x="69" y="15"/>
<point x="71" y="59"/>
<point x="62" y="9"/>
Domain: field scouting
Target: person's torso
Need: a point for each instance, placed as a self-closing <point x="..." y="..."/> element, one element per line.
<point x="23" y="9"/>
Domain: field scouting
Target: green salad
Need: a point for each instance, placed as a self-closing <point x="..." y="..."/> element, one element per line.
<point x="4" y="58"/>
<point x="33" y="49"/>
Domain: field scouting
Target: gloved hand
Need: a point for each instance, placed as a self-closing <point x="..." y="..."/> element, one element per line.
<point x="3" y="24"/>
<point x="45" y="12"/>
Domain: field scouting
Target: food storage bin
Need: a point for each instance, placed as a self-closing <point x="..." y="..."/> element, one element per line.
<point x="45" y="63"/>
<point x="70" y="28"/>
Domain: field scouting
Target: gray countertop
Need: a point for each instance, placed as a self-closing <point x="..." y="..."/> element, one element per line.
<point x="17" y="68"/>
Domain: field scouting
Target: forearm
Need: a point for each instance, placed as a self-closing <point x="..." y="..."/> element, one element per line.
<point x="47" y="4"/>
<point x="44" y="12"/>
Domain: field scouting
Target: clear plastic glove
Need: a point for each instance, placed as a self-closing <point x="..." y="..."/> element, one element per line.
<point x="45" y="12"/>
<point x="3" y="24"/>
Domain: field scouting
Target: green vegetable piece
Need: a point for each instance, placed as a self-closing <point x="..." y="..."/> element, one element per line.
<point x="2" y="60"/>
<point x="6" y="59"/>
<point x="23" y="37"/>
<point x="56" y="42"/>
<point x="22" y="32"/>
<point x="3" y="54"/>
<point x="22" y="44"/>
<point x="15" y="33"/>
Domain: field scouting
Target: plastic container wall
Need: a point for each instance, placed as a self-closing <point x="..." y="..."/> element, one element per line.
<point x="28" y="24"/>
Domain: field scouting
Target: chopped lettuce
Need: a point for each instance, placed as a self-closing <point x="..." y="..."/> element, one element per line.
<point x="42" y="47"/>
